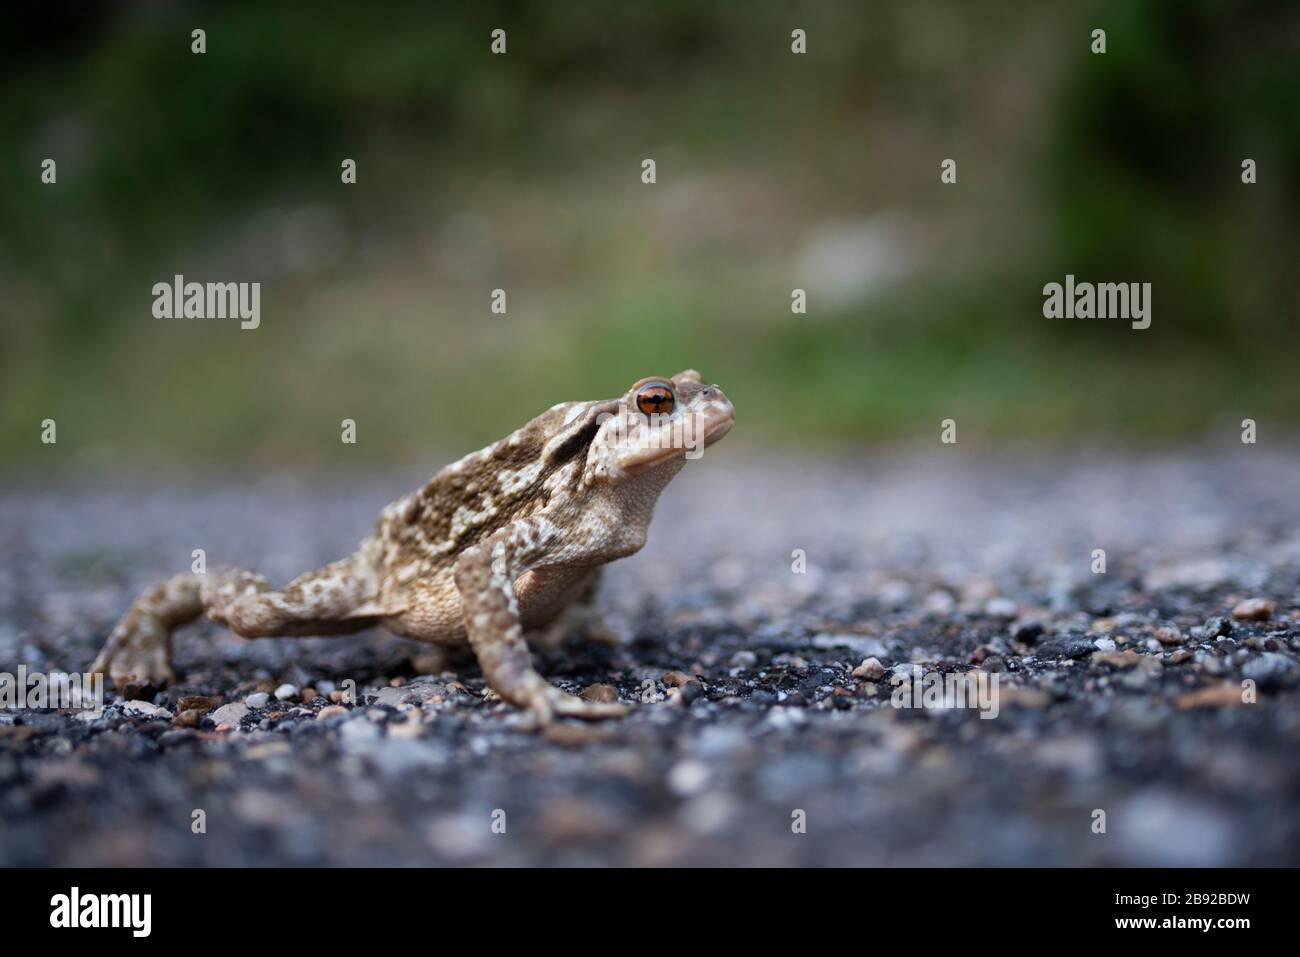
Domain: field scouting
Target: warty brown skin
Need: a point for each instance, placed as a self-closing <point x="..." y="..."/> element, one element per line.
<point x="500" y="543"/>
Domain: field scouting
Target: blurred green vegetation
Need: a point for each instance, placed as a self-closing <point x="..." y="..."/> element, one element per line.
<point x="522" y="172"/>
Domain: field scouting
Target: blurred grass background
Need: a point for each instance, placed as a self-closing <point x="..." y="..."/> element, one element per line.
<point x="522" y="172"/>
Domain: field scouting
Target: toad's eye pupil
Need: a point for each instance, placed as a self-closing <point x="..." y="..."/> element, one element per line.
<point x="655" y="399"/>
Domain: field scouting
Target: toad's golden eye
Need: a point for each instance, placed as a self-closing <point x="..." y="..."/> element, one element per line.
<point x="655" y="399"/>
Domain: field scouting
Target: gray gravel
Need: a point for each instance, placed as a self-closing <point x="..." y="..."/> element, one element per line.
<point x="1120" y="692"/>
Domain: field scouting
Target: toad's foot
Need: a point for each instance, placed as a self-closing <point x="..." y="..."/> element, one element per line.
<point x="139" y="650"/>
<point x="548" y="702"/>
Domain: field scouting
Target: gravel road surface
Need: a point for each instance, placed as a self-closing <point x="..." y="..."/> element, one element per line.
<point x="765" y="729"/>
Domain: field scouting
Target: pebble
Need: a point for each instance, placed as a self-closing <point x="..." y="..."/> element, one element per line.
<point x="1271" y="670"/>
<point x="202" y="702"/>
<point x="230" y="714"/>
<point x="1216" y="627"/>
<point x="257" y="699"/>
<point x="744" y="659"/>
<point x="1027" y="631"/>
<point x="286" y="692"/>
<point x="871" y="668"/>
<point x="145" y="709"/>
<point x="1169" y="636"/>
<point x="1254" y="609"/>
<point x="330" y="710"/>
<point x="691" y="692"/>
<point x="189" y="718"/>
<point x="1066" y="646"/>
<point x="1105" y="644"/>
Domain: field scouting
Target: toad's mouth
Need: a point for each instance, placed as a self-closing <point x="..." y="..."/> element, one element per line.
<point x="678" y="443"/>
<point x="718" y="429"/>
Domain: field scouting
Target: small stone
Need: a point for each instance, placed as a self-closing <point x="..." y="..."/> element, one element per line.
<point x="137" y="691"/>
<point x="744" y="659"/>
<point x="1105" y="644"/>
<point x="871" y="668"/>
<point x="600" y="693"/>
<point x="1027" y="631"/>
<point x="257" y="700"/>
<point x="1169" y="636"/>
<point x="1254" y="609"/>
<point x="230" y="714"/>
<point x="1271" y="670"/>
<point x="675" y="679"/>
<point x="286" y="692"/>
<point x="1180" y="656"/>
<point x="1216" y="627"/>
<point x="145" y="709"/>
<point x="189" y="718"/>
<point x="330" y="710"/>
<point x="190" y="702"/>
<point x="1068" y="646"/>
<point x="993" y="664"/>
<point x="309" y="695"/>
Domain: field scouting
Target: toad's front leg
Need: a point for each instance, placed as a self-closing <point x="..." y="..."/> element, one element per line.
<point x="485" y="576"/>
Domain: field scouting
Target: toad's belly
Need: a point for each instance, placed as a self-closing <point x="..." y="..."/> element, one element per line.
<point x="431" y="611"/>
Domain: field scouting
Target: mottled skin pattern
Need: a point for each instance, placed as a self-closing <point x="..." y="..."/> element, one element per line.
<point x="497" y="544"/>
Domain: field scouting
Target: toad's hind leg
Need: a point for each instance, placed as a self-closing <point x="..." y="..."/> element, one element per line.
<point x="332" y="600"/>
